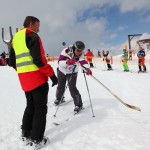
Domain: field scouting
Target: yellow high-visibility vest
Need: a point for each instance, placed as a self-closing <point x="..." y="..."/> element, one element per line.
<point x="24" y="61"/>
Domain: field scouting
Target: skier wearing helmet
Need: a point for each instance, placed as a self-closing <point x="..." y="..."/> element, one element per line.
<point x="68" y="66"/>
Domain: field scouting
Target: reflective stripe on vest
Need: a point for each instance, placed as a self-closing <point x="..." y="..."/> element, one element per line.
<point x="24" y="61"/>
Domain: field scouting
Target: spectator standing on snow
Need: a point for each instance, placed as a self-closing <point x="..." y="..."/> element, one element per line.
<point x="125" y="60"/>
<point x="27" y="56"/>
<point x="141" y="59"/>
<point x="68" y="66"/>
<point x="99" y="54"/>
<point x="3" y="58"/>
<point x="89" y="56"/>
<point x="108" y="58"/>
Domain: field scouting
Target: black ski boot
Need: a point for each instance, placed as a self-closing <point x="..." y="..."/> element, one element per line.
<point x="25" y="136"/>
<point x="39" y="144"/>
<point x="78" y="108"/>
<point x="57" y="101"/>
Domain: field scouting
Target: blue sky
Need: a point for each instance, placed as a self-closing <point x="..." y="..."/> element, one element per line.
<point x="100" y="24"/>
<point x="121" y="23"/>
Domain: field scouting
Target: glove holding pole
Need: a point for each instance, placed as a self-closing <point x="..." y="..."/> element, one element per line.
<point x="89" y="72"/>
<point x="86" y="70"/>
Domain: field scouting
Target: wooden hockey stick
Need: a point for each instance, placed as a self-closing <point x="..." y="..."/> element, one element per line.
<point x="119" y="99"/>
<point x="127" y="105"/>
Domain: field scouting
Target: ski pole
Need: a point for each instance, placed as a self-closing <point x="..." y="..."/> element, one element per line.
<point x="127" y="105"/>
<point x="89" y="95"/>
<point x="61" y="100"/>
<point x="64" y="91"/>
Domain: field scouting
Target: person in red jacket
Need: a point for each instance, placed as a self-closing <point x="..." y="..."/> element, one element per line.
<point x="89" y="56"/>
<point x="27" y="56"/>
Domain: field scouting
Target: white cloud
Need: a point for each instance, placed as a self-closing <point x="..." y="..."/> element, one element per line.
<point x="121" y="28"/>
<point x="144" y="36"/>
<point x="128" y="5"/>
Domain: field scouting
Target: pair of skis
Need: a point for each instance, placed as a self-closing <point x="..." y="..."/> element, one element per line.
<point x="69" y="118"/>
<point x="72" y="116"/>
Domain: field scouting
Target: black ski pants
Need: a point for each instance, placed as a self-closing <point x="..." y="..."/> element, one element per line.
<point x="91" y="65"/>
<point x="72" y="79"/>
<point x="109" y="66"/>
<point x="34" y="118"/>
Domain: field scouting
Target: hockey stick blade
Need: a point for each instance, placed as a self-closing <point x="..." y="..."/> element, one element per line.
<point x="133" y="107"/>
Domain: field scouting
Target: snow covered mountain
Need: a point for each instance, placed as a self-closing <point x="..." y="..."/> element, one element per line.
<point x="114" y="127"/>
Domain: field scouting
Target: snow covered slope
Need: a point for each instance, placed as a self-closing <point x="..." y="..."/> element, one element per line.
<point x="114" y="127"/>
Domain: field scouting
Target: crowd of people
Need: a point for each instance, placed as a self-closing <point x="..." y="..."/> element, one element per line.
<point x="125" y="57"/>
<point x="27" y="57"/>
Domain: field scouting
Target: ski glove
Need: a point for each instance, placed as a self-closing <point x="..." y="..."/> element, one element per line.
<point x="71" y="61"/>
<point x="54" y="80"/>
<point x="89" y="72"/>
